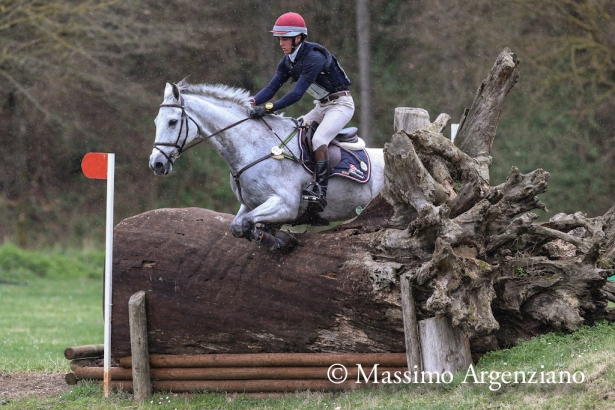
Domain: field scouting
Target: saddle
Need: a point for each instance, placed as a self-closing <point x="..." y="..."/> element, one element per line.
<point x="347" y="155"/>
<point x="347" y="158"/>
<point x="346" y="139"/>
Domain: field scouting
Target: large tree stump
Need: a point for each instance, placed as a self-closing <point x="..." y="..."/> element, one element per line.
<point x="471" y="252"/>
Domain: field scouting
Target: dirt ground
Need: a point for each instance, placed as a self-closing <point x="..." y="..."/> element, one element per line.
<point x="14" y="385"/>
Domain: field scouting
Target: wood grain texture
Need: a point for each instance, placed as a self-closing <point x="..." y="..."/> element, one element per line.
<point x="271" y="360"/>
<point x="230" y="373"/>
<point x="445" y="349"/>
<point x="209" y="292"/>
<point x="137" y="319"/>
<point x="477" y="131"/>
<point x="411" y="327"/>
<point x="82" y="352"/>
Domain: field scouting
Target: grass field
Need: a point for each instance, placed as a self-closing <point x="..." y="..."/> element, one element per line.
<point x="54" y="301"/>
<point x="45" y="316"/>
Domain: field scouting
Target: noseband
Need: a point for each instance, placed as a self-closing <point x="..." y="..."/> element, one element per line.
<point x="184" y="119"/>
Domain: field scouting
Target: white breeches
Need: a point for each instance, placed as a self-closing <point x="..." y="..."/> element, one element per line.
<point x="332" y="117"/>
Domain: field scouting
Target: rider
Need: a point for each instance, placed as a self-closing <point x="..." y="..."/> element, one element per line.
<point x="316" y="71"/>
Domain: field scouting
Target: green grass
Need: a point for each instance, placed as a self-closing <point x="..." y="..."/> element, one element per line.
<point x="597" y="366"/>
<point x="50" y="311"/>
<point x="45" y="316"/>
<point x="19" y="265"/>
<point x="49" y="301"/>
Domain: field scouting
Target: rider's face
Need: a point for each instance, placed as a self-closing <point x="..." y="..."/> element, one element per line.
<point x="287" y="43"/>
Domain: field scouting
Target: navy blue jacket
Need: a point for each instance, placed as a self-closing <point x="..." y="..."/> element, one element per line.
<point x="313" y="64"/>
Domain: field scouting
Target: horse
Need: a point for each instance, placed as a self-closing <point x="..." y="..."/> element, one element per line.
<point x="265" y="181"/>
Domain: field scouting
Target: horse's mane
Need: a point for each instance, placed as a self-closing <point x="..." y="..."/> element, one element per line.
<point x="223" y="92"/>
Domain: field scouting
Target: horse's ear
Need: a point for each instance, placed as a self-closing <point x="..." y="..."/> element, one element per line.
<point x="175" y="92"/>
<point x="168" y="92"/>
<point x="182" y="83"/>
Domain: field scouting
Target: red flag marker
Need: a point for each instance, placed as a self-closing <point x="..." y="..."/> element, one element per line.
<point x="94" y="165"/>
<point x="99" y="165"/>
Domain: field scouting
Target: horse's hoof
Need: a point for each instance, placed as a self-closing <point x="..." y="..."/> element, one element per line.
<point x="241" y="229"/>
<point x="237" y="231"/>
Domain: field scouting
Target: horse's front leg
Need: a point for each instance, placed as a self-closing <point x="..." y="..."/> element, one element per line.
<point x="274" y="210"/>
<point x="237" y="227"/>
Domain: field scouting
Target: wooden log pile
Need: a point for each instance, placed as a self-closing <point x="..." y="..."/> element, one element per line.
<point x="248" y="373"/>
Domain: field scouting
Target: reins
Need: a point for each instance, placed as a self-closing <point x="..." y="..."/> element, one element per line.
<point x="203" y="139"/>
<point x="184" y="118"/>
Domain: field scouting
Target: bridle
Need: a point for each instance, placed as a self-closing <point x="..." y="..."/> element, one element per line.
<point x="184" y="119"/>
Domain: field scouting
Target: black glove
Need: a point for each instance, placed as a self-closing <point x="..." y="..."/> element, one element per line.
<point x="259" y="112"/>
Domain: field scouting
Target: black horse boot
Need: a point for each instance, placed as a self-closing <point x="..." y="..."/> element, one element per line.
<point x="316" y="192"/>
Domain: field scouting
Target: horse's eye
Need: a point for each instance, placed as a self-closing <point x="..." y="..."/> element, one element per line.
<point x="172" y="123"/>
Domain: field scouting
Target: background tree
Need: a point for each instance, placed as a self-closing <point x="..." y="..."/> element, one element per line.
<point x="365" y="57"/>
<point x="573" y="56"/>
<point x="88" y="76"/>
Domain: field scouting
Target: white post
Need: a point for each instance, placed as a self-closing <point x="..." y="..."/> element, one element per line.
<point x="108" y="271"/>
<point x="454" y="128"/>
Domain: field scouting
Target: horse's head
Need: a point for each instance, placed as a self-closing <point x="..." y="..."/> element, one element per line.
<point x="174" y="130"/>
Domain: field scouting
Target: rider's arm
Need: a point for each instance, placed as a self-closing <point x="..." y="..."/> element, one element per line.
<point x="293" y="96"/>
<point x="312" y="66"/>
<point x="274" y="85"/>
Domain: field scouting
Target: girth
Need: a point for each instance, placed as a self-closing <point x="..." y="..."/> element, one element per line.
<point x="278" y="154"/>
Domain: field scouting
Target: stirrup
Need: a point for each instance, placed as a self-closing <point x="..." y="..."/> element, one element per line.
<point x="316" y="203"/>
<point x="312" y="195"/>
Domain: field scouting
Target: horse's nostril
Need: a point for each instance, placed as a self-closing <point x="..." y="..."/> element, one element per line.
<point x="158" y="165"/>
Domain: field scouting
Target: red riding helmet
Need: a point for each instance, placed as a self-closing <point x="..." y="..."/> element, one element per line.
<point x="289" y="25"/>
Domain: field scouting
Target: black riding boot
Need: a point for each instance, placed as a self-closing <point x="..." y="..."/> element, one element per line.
<point x="316" y="192"/>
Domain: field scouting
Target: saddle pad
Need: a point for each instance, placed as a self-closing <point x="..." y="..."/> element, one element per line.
<point x="354" y="165"/>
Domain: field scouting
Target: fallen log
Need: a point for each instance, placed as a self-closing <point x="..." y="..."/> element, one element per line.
<point x="91" y="362"/>
<point x="83" y="352"/>
<point x="242" y="300"/>
<point x="272" y="360"/>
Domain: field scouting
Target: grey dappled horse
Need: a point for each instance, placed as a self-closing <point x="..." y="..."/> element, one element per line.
<point x="270" y="190"/>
